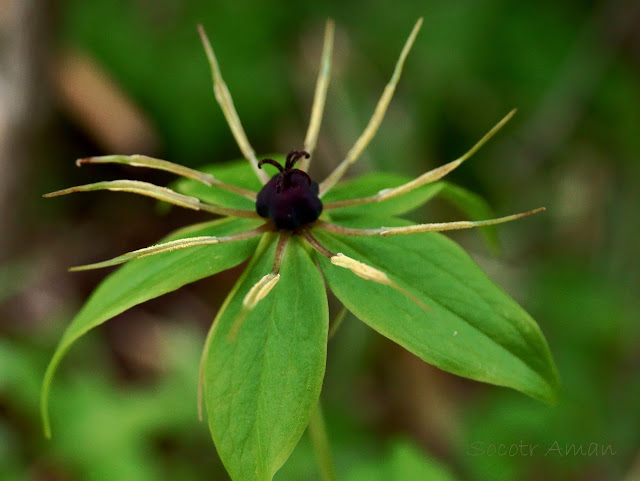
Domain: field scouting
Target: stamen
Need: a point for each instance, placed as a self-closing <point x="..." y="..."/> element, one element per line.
<point x="372" y="274"/>
<point x="320" y="95"/>
<point x="313" y="242"/>
<point x="264" y="285"/>
<point x="360" y="269"/>
<point x="426" y="178"/>
<point x="419" y="228"/>
<point x="161" y="193"/>
<point x="223" y="96"/>
<point x="261" y="289"/>
<point x="376" y="119"/>
<point x="172" y="246"/>
<point x="159" y="164"/>
<point x="150" y="162"/>
<point x="136" y="187"/>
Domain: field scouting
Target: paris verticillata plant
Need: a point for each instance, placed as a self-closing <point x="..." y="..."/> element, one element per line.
<point x="264" y="357"/>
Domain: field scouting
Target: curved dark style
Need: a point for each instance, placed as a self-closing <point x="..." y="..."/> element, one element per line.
<point x="290" y="199"/>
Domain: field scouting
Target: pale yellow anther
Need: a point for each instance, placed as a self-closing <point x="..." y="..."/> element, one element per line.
<point x="150" y="251"/>
<point x="372" y="274"/>
<point x="360" y="269"/>
<point x="173" y="246"/>
<point x="260" y="290"/>
<point x="161" y="193"/>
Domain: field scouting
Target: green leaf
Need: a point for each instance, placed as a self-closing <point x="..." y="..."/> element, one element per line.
<point x="469" y="326"/>
<point x="371" y="184"/>
<point x="236" y="172"/>
<point x="150" y="277"/>
<point x="262" y="384"/>
<point x="475" y="207"/>
<point x="471" y="204"/>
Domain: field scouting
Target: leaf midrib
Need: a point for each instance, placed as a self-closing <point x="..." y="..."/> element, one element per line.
<point x="505" y="348"/>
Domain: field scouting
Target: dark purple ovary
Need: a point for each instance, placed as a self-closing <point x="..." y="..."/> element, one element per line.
<point x="290" y="199"/>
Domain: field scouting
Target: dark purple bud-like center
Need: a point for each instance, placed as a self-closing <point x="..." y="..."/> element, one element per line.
<point x="290" y="199"/>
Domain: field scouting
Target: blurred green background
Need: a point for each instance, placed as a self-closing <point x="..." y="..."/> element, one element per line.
<point x="92" y="77"/>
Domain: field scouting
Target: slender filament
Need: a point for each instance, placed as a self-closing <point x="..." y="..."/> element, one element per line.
<point x="156" y="192"/>
<point x="223" y="96"/>
<point x="376" y="119"/>
<point x="360" y="269"/>
<point x="159" y="164"/>
<point x="315" y="243"/>
<point x="320" y="94"/>
<point x="426" y="178"/>
<point x="263" y="287"/>
<point x="419" y="228"/>
<point x="172" y="246"/>
<point x="260" y="290"/>
<point x="152" y="163"/>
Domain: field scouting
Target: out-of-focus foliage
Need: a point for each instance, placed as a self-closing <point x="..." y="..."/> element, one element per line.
<point x="105" y="431"/>
<point x="600" y="404"/>
<point x="124" y="402"/>
<point x="401" y="462"/>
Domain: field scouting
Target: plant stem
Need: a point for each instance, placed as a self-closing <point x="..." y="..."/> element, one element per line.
<point x="337" y="322"/>
<point x="320" y="441"/>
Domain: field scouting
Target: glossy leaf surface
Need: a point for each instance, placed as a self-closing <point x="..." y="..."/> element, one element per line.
<point x="262" y="383"/>
<point x="150" y="277"/>
<point x="236" y="172"/>
<point x="469" y="326"/>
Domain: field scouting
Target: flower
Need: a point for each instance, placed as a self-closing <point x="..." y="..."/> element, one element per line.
<point x="264" y="357"/>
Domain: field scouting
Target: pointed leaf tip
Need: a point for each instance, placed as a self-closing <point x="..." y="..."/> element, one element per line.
<point x="261" y="388"/>
<point x="147" y="278"/>
<point x="496" y="341"/>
